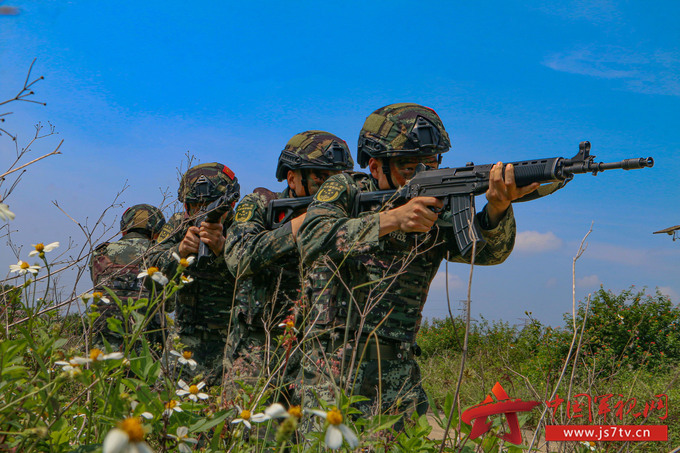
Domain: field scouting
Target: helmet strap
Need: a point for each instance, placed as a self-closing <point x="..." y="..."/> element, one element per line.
<point x="387" y="173"/>
<point x="305" y="182"/>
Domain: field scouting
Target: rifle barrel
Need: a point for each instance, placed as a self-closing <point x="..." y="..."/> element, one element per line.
<point x="626" y="164"/>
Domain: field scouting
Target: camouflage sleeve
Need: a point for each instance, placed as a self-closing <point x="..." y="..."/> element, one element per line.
<point x="168" y="241"/>
<point x="250" y="247"/>
<point x="499" y="240"/>
<point x="328" y="228"/>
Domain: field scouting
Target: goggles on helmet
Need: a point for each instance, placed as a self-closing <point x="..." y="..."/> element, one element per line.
<point x="202" y="189"/>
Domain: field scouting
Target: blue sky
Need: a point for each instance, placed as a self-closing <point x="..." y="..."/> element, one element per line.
<point x="132" y="89"/>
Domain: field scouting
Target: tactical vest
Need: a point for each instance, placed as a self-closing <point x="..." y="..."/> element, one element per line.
<point x="205" y="304"/>
<point x="391" y="284"/>
<point x="270" y="294"/>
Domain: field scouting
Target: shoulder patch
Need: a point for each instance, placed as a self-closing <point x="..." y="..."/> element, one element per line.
<point x="165" y="233"/>
<point x="329" y="191"/>
<point x="244" y="212"/>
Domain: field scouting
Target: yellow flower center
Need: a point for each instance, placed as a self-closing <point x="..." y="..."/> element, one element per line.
<point x="152" y="270"/>
<point x="334" y="417"/>
<point x="97" y="295"/>
<point x="171" y="404"/>
<point x="187" y="354"/>
<point x="24" y="265"/>
<point x="193" y="389"/>
<point x="184" y="262"/>
<point x="245" y="414"/>
<point x="133" y="428"/>
<point x="295" y="411"/>
<point x="95" y="353"/>
<point x="39" y="247"/>
<point x="290" y="324"/>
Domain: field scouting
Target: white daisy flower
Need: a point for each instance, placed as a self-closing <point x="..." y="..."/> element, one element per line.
<point x="22" y="267"/>
<point x="127" y="438"/>
<point x="183" y="262"/>
<point x="41" y="249"/>
<point x="194" y="391"/>
<point x="5" y="213"/>
<point x="172" y="406"/>
<point x="184" y="358"/>
<point x="155" y="275"/>
<point x="97" y="296"/>
<point x="185" y="279"/>
<point x="146" y="415"/>
<point x="277" y="410"/>
<point x="70" y="367"/>
<point x="97" y="355"/>
<point x="244" y="417"/>
<point x="183" y="439"/>
<point x="336" y="429"/>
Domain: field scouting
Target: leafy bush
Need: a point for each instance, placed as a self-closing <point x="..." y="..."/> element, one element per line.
<point x="632" y="328"/>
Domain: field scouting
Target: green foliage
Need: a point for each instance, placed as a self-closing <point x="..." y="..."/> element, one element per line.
<point x="631" y="328"/>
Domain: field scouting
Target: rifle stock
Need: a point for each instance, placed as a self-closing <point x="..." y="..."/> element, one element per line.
<point x="282" y="210"/>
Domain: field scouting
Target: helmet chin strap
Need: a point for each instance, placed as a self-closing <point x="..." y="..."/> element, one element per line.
<point x="388" y="174"/>
<point x="305" y="182"/>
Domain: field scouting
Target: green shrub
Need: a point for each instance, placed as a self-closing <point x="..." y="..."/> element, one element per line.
<point x="633" y="328"/>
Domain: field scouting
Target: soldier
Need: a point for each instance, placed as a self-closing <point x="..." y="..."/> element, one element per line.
<point x="203" y="305"/>
<point x="116" y="265"/>
<point x="364" y="321"/>
<point x="265" y="259"/>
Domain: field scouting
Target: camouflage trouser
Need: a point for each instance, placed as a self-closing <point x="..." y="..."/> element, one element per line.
<point x="254" y="357"/>
<point x="207" y="350"/>
<point x="391" y="384"/>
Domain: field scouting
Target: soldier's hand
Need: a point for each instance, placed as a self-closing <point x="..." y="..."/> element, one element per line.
<point x="502" y="191"/>
<point x="416" y="216"/>
<point x="211" y="235"/>
<point x="189" y="244"/>
<point x="295" y="224"/>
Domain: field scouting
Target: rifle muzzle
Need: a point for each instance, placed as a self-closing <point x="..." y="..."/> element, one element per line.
<point x="627" y="164"/>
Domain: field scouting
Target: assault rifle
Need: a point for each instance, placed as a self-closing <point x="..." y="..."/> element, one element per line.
<point x="212" y="213"/>
<point x="458" y="186"/>
<point x="282" y="210"/>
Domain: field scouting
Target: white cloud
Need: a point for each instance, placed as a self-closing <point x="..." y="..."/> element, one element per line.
<point x="670" y="292"/>
<point x="619" y="254"/>
<point x="551" y="282"/>
<point x="439" y="281"/>
<point x="641" y="72"/>
<point x="535" y="242"/>
<point x="588" y="281"/>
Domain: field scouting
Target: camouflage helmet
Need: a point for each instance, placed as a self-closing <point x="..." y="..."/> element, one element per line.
<point x="206" y="182"/>
<point x="142" y="217"/>
<point x="402" y="130"/>
<point x="314" y="149"/>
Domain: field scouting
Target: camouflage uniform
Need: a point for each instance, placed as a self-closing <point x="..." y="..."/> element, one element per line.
<point x="390" y="275"/>
<point x="203" y="306"/>
<point x="266" y="263"/>
<point x="116" y="265"/>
